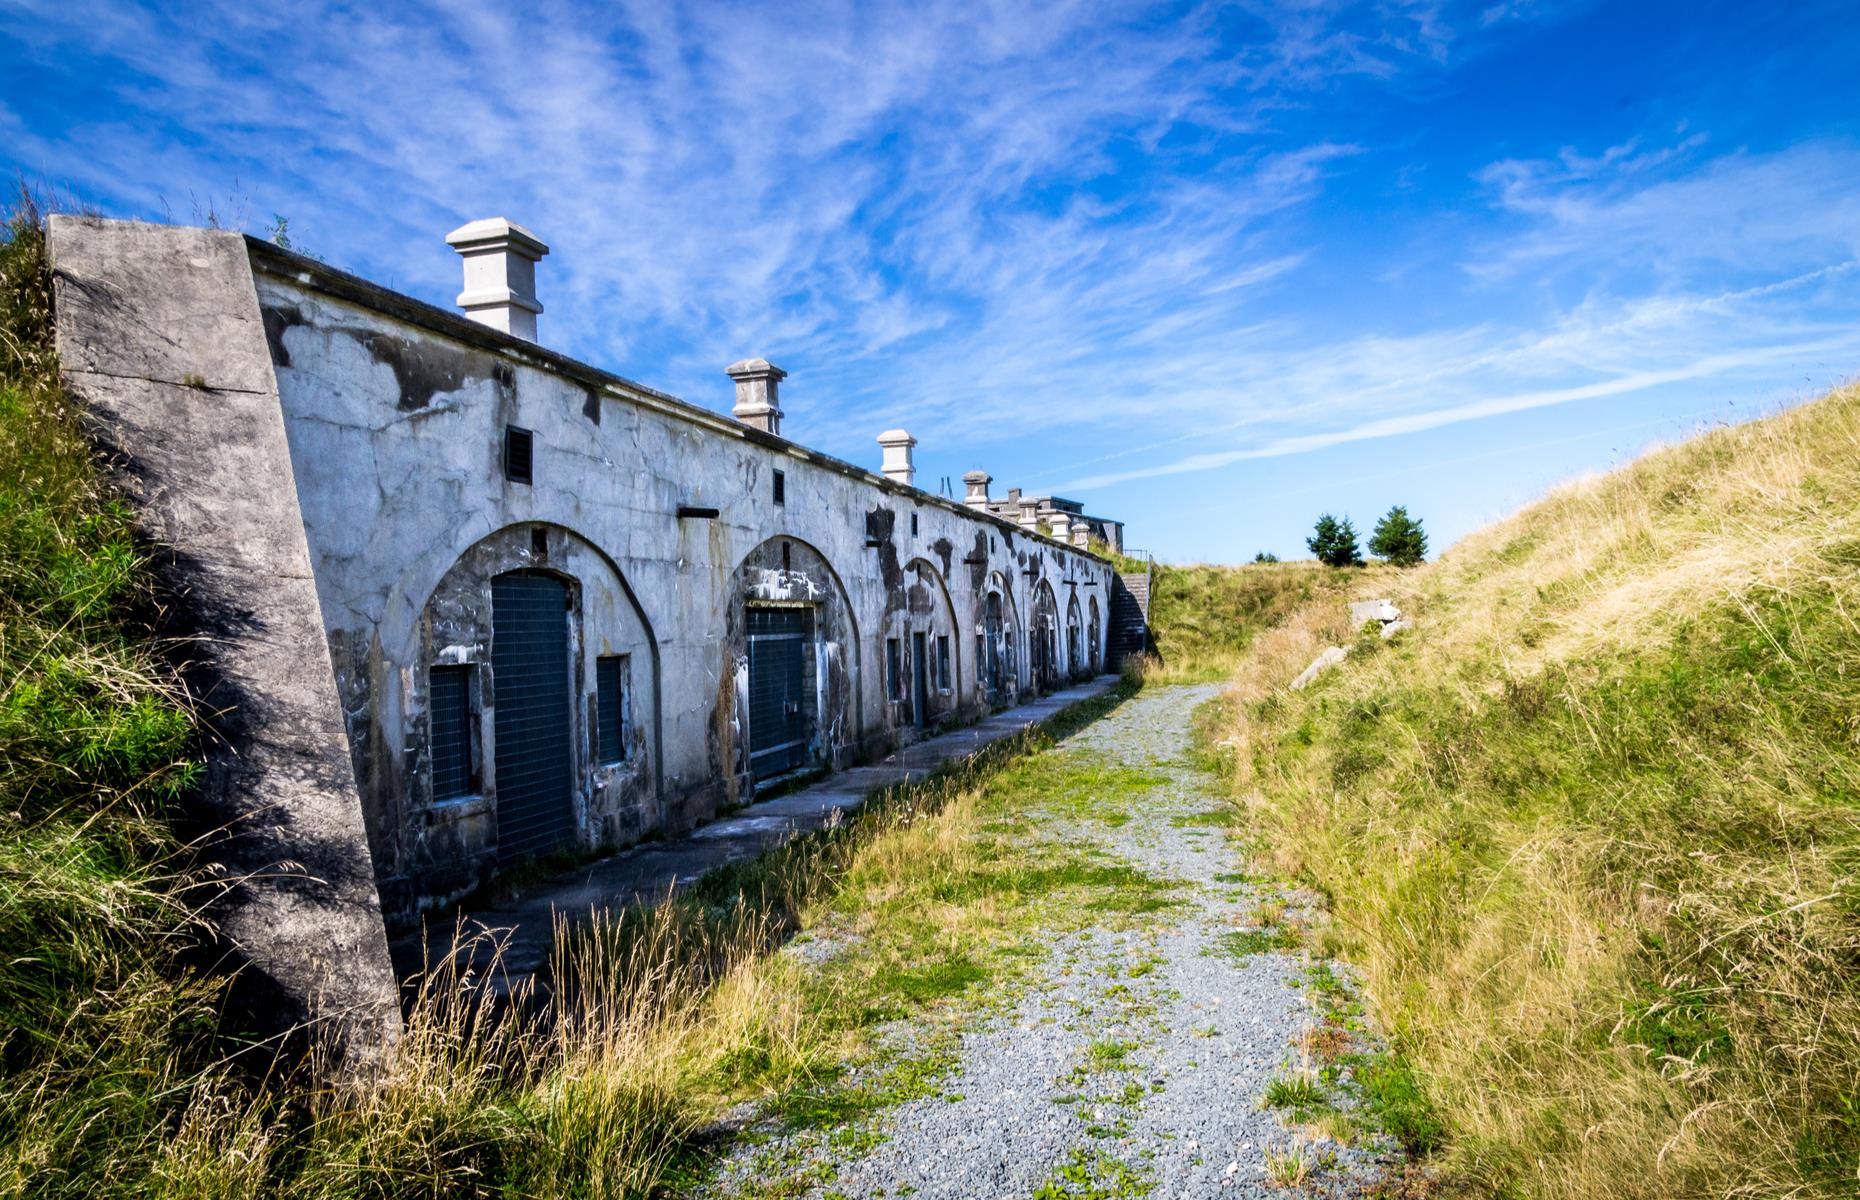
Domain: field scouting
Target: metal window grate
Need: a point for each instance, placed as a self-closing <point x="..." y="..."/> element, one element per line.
<point x="893" y="670"/>
<point x="448" y="738"/>
<point x="610" y="708"/>
<point x="942" y="662"/>
<point x="519" y="455"/>
<point x="781" y="488"/>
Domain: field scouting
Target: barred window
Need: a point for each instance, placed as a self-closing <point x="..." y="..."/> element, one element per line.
<point x="448" y="709"/>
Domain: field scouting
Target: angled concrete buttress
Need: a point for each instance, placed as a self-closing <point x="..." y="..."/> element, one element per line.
<point x="175" y="364"/>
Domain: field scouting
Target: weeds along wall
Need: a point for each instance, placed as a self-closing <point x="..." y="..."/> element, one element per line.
<point x="680" y="607"/>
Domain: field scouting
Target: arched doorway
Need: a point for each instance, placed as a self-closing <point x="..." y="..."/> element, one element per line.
<point x="1093" y="642"/>
<point x="1075" y="665"/>
<point x="532" y="714"/>
<point x="926" y="629"/>
<point x="1043" y="638"/>
<point x="996" y="640"/>
<point x="789" y="701"/>
<point x="991" y="657"/>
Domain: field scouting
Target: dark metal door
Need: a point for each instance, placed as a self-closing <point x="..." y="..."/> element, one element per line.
<point x="920" y="681"/>
<point x="535" y="719"/>
<point x="779" y="728"/>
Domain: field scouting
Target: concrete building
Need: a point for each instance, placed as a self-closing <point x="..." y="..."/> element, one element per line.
<point x="1062" y="519"/>
<point x="473" y="602"/>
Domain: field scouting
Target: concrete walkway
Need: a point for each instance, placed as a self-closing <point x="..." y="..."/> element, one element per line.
<point x="650" y="870"/>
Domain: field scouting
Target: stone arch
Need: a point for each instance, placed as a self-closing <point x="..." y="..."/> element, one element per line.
<point x="1075" y="637"/>
<point x="997" y="638"/>
<point x="790" y="592"/>
<point x="929" y="612"/>
<point x="447" y="843"/>
<point x="1043" y="638"/>
<point x="1094" y="638"/>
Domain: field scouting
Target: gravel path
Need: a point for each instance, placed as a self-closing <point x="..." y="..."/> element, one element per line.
<point x="1135" y="1060"/>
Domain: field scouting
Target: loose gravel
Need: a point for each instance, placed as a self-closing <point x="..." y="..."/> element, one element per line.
<point x="1135" y="1060"/>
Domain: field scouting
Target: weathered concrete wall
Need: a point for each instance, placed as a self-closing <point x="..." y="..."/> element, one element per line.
<point x="159" y="332"/>
<point x="327" y="460"/>
<point x="396" y="415"/>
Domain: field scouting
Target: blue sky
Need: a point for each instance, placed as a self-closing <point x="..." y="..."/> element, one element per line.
<point x="1209" y="269"/>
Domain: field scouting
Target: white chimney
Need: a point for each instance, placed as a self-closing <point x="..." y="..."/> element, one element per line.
<point x="758" y="394"/>
<point x="1029" y="512"/>
<point x="897" y="444"/>
<point x="977" y="484"/>
<point x="1061" y="523"/>
<point x="500" y="274"/>
<point x="1081" y="535"/>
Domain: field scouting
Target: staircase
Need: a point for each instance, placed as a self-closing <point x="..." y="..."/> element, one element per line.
<point x="1130" y="617"/>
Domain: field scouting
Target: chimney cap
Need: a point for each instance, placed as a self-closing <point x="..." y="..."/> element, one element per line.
<point x="755" y="368"/>
<point x="497" y="233"/>
<point x="977" y="476"/>
<point x="896" y="437"/>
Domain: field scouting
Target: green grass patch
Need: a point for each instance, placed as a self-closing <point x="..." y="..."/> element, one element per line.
<point x="1301" y="1094"/>
<point x="1095" y="1175"/>
<point x="1240" y="945"/>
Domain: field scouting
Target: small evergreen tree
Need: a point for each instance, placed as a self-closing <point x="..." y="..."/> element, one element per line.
<point x="1399" y="538"/>
<point x="1334" y="542"/>
<point x="1265" y="556"/>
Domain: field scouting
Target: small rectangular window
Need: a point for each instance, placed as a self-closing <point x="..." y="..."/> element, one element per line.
<point x="448" y="739"/>
<point x="610" y="709"/>
<point x="519" y="455"/>
<point x="781" y="488"/>
<point x="942" y="662"/>
<point x="913" y="524"/>
<point x="894" y="683"/>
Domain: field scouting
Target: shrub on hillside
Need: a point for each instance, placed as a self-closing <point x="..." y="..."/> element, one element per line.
<point x="1333" y="542"/>
<point x="1399" y="538"/>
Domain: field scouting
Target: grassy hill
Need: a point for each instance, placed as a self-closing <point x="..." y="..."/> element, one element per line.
<point x="1203" y="617"/>
<point x="1592" y="829"/>
<point x="100" y="1023"/>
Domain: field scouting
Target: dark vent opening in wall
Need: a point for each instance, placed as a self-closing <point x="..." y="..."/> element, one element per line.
<point x="781" y="488"/>
<point x="609" y="709"/>
<point x="787" y="557"/>
<point x="539" y="542"/>
<point x="519" y="455"/>
<point x="913" y="524"/>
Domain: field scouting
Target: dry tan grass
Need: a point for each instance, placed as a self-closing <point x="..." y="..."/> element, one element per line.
<point x="1590" y="829"/>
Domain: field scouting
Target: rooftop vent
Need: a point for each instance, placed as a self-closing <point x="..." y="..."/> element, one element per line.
<point x="977" y="484"/>
<point x="758" y="402"/>
<point x="898" y="468"/>
<point x="500" y="274"/>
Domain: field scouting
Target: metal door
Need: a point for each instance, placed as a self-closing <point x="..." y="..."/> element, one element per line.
<point x="920" y="681"/>
<point x="779" y="726"/>
<point x="535" y="719"/>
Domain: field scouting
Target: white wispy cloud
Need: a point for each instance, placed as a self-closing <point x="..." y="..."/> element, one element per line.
<point x="993" y="221"/>
<point x="831" y="183"/>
